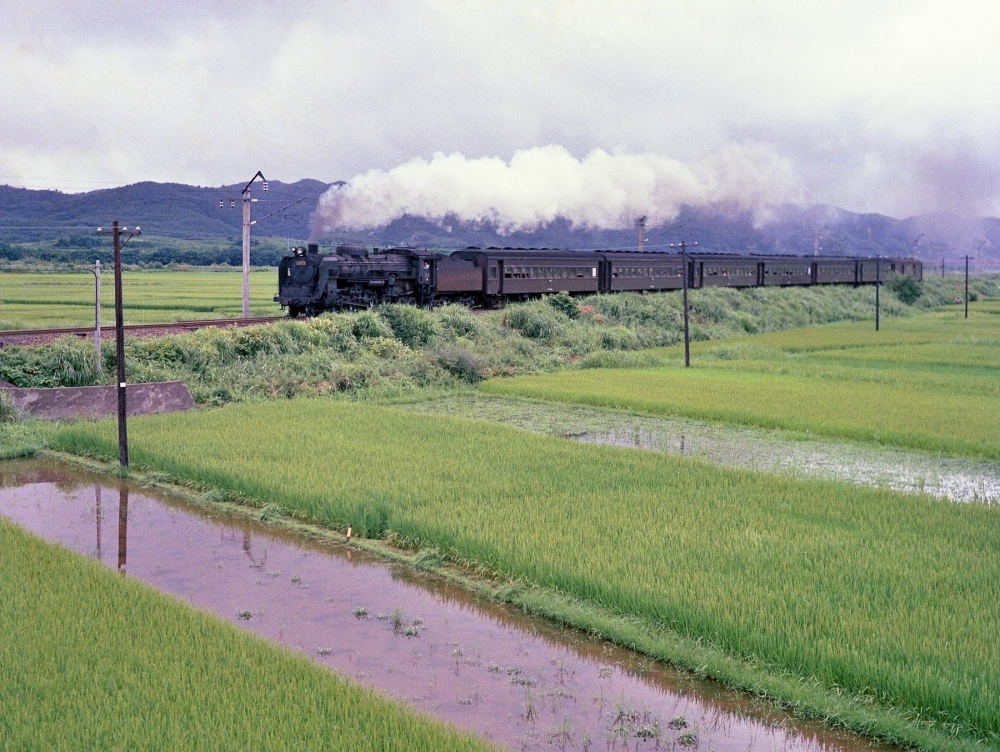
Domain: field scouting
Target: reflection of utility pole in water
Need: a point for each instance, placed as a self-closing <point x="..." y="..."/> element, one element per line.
<point x="100" y="517"/>
<point x="122" y="526"/>
<point x="248" y="550"/>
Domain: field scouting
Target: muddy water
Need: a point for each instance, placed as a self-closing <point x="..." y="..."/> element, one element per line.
<point x="770" y="451"/>
<point x="519" y="681"/>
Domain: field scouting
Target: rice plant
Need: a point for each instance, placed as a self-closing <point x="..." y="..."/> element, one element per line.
<point x="868" y="591"/>
<point x="91" y="660"/>
<point x="929" y="382"/>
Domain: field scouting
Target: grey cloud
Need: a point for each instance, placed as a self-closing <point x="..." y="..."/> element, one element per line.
<point x="851" y="95"/>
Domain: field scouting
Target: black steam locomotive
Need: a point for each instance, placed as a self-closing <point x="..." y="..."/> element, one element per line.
<point x="310" y="282"/>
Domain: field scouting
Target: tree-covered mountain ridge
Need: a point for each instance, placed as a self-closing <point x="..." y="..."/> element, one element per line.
<point x="186" y="212"/>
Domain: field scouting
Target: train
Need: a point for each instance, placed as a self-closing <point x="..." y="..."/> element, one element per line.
<point x="354" y="276"/>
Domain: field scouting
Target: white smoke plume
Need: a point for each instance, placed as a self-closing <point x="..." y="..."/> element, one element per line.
<point x="601" y="191"/>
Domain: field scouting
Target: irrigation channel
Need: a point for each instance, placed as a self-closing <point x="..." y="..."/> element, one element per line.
<point x="910" y="471"/>
<point x="509" y="677"/>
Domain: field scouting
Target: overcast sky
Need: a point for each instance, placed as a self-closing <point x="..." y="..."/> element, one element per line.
<point x="869" y="105"/>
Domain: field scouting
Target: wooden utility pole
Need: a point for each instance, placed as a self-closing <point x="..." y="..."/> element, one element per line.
<point x="684" y="275"/>
<point x="116" y="234"/>
<point x="97" y="316"/>
<point x="966" y="286"/>
<point x="878" y="284"/>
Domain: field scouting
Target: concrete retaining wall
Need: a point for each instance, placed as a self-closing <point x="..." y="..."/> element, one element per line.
<point x="68" y="403"/>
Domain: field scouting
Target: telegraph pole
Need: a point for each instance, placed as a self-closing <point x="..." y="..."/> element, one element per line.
<point x="878" y="284"/>
<point x="246" y="239"/>
<point x="116" y="234"/>
<point x="97" y="314"/>
<point x="966" y="285"/>
<point x="684" y="274"/>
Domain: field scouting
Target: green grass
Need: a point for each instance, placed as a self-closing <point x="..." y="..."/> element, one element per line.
<point x="868" y="591"/>
<point x="42" y="300"/>
<point x="928" y="382"/>
<point x="91" y="660"/>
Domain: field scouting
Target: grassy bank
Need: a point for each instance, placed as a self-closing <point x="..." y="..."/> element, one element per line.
<point x="399" y="349"/>
<point x="91" y="660"/>
<point x="869" y="592"/>
<point x="926" y="382"/>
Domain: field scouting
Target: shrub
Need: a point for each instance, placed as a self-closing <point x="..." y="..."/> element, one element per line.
<point x="458" y="320"/>
<point x="619" y="338"/>
<point x="412" y="326"/>
<point x="906" y="289"/>
<point x="564" y="303"/>
<point x="368" y="325"/>
<point x="462" y="363"/>
<point x="532" y="322"/>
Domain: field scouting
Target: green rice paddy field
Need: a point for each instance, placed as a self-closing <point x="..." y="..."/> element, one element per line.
<point x="892" y="597"/>
<point x="36" y="300"/>
<point x="928" y="382"/>
<point x="92" y="660"/>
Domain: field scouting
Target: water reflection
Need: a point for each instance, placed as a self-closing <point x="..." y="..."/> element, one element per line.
<point x="519" y="681"/>
<point x="122" y="526"/>
<point x="770" y="451"/>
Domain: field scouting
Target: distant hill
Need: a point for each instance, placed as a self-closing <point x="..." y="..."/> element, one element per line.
<point x="166" y="209"/>
<point x="193" y="213"/>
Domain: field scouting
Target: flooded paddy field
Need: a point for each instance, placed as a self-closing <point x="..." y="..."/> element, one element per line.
<point x="519" y="681"/>
<point x="770" y="451"/>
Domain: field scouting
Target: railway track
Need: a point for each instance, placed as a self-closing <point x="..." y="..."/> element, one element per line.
<point x="37" y="336"/>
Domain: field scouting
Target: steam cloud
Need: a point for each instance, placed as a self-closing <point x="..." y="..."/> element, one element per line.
<point x="601" y="191"/>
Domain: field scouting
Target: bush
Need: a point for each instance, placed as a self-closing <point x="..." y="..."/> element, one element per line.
<point x="412" y="326"/>
<point x="369" y="325"/>
<point x="564" y="303"/>
<point x="458" y="320"/>
<point x="532" y="322"/>
<point x="462" y="363"/>
<point x="907" y="290"/>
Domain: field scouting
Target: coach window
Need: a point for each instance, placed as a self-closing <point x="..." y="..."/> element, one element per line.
<point x="493" y="272"/>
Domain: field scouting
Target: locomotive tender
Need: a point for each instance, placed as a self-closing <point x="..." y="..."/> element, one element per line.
<point x="310" y="282"/>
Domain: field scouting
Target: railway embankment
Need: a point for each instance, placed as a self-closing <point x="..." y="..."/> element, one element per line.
<point x="394" y="350"/>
